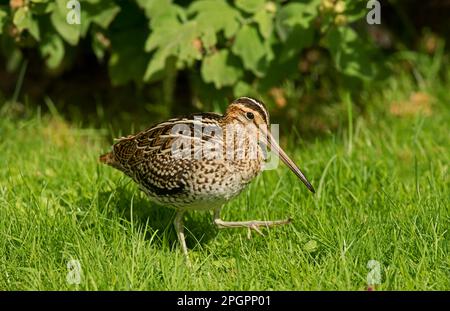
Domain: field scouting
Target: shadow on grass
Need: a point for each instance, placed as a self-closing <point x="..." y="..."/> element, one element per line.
<point x="198" y="225"/>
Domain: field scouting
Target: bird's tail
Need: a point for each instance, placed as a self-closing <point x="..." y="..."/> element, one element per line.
<point x="107" y="158"/>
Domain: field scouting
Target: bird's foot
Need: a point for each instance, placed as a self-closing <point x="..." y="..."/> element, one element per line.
<point x="251" y="225"/>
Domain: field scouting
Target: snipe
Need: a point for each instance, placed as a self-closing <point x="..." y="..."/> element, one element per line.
<point x="201" y="161"/>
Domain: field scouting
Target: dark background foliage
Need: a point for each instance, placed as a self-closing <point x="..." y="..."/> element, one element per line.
<point x="137" y="60"/>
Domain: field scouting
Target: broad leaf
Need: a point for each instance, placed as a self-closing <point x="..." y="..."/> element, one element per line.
<point x="349" y="53"/>
<point x="70" y="32"/>
<point x="278" y="71"/>
<point x="178" y="41"/>
<point x="298" y="39"/>
<point x="221" y="68"/>
<point x="264" y="19"/>
<point x="249" y="46"/>
<point x="243" y="89"/>
<point x="294" y="14"/>
<point x="41" y="7"/>
<point x="98" y="44"/>
<point x="24" y="20"/>
<point x="208" y="37"/>
<point x="52" y="49"/>
<point x="216" y="15"/>
<point x="250" y="6"/>
<point x="102" y="13"/>
<point x="162" y="13"/>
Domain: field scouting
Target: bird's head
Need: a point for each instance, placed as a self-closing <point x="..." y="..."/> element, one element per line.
<point x="248" y="111"/>
<point x="254" y="115"/>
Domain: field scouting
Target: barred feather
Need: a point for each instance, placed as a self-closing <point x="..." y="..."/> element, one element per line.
<point x="147" y="157"/>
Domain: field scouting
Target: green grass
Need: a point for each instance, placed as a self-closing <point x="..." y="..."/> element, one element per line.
<point x="382" y="194"/>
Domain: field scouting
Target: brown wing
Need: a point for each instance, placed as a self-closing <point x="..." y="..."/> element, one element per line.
<point x="148" y="157"/>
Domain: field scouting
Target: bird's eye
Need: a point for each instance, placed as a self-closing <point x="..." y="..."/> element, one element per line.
<point x="250" y="115"/>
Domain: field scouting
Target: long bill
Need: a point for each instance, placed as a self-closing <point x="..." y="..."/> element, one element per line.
<point x="273" y="145"/>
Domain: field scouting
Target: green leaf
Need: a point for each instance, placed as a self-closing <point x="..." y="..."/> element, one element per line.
<point x="163" y="30"/>
<point x="294" y="14"/>
<point x="298" y="39"/>
<point x="277" y="72"/>
<point x="264" y="20"/>
<point x="208" y="37"/>
<point x="156" y="64"/>
<point x="243" y="89"/>
<point x="24" y="20"/>
<point x="97" y="45"/>
<point x="3" y="18"/>
<point x="350" y="54"/>
<point x="102" y="13"/>
<point x="52" y="49"/>
<point x="216" y="15"/>
<point x="20" y="17"/>
<point x="41" y="7"/>
<point x="355" y="10"/>
<point x="178" y="41"/>
<point x="187" y="50"/>
<point x="172" y="38"/>
<point x="70" y="32"/>
<point x="221" y="68"/>
<point x="162" y="13"/>
<point x="250" y="48"/>
<point x="250" y="6"/>
<point x="33" y="28"/>
<point x="99" y="12"/>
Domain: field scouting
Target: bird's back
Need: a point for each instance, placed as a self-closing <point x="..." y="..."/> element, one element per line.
<point x="168" y="163"/>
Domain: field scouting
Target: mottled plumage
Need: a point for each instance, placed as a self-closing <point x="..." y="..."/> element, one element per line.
<point x="199" y="161"/>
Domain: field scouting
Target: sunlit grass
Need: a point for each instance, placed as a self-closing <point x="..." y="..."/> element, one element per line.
<point x="382" y="194"/>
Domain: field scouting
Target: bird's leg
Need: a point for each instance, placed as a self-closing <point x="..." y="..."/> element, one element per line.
<point x="251" y="225"/>
<point x="179" y="227"/>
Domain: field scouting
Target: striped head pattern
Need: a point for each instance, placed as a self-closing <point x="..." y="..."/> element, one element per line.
<point x="248" y="110"/>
